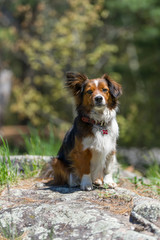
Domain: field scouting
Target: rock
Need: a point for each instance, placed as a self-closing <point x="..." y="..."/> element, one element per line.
<point x="146" y="211"/>
<point x="147" y="208"/>
<point x="140" y="158"/>
<point x="34" y="210"/>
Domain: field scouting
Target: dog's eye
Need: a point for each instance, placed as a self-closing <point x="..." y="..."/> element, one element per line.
<point x="105" y="90"/>
<point x="89" y="91"/>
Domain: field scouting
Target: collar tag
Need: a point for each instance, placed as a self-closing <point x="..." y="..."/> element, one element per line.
<point x="104" y="131"/>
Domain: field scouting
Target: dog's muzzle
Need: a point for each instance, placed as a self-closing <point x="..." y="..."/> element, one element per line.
<point x="99" y="100"/>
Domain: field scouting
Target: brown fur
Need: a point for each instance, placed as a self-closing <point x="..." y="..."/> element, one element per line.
<point x="116" y="90"/>
<point x="88" y="98"/>
<point x="75" y="82"/>
<point x="80" y="158"/>
<point x="61" y="172"/>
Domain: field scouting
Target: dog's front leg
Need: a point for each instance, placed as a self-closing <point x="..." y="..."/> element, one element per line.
<point x="86" y="182"/>
<point x="110" y="168"/>
<point x="81" y="165"/>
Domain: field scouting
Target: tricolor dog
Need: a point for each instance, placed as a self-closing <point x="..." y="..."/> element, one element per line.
<point x="88" y="152"/>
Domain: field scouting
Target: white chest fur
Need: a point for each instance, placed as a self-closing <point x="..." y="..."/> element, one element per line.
<point x="103" y="143"/>
<point x="101" y="146"/>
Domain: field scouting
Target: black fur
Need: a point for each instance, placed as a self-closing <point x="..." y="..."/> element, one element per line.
<point x="67" y="145"/>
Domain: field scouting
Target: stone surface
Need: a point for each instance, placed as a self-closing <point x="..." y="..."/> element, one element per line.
<point x="33" y="210"/>
<point x="140" y="158"/>
<point x="147" y="208"/>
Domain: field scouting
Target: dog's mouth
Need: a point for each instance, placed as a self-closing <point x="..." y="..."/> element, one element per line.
<point x="99" y="106"/>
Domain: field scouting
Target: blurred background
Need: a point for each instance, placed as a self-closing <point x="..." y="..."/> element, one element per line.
<point x="40" y="40"/>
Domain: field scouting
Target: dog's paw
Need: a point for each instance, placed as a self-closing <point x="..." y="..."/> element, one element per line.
<point x="112" y="184"/>
<point x="98" y="182"/>
<point x="86" y="183"/>
<point x="88" y="187"/>
<point x="109" y="181"/>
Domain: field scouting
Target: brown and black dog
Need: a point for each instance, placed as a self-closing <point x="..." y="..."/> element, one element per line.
<point x="88" y="151"/>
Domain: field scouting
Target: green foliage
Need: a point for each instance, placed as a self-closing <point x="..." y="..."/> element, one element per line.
<point x="153" y="173"/>
<point x="8" y="172"/>
<point x="43" y="39"/>
<point x="152" y="176"/>
<point x="37" y="144"/>
<point x="34" y="145"/>
<point x="136" y="181"/>
<point x="50" y="44"/>
<point x="137" y="26"/>
<point x="32" y="169"/>
<point x="10" y="232"/>
<point x="58" y="43"/>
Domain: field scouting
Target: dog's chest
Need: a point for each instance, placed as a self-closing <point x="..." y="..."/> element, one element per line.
<point x="103" y="140"/>
<point x="101" y="143"/>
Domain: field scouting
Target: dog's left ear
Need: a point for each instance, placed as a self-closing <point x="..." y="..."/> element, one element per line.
<point x="114" y="87"/>
<point x="75" y="81"/>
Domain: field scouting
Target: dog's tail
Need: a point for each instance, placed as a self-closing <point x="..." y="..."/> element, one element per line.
<point x="47" y="170"/>
<point x="56" y="170"/>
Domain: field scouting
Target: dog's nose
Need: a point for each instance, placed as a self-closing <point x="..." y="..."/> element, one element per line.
<point x="98" y="99"/>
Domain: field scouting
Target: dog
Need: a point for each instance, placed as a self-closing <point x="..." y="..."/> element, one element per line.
<point x="87" y="155"/>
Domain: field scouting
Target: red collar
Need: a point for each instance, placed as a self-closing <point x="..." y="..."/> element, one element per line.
<point x="92" y="121"/>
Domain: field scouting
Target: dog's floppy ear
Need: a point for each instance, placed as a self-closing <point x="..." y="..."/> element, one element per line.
<point x="75" y="81"/>
<point x="114" y="87"/>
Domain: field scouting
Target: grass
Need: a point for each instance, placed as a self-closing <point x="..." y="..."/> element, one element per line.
<point x="137" y="181"/>
<point x="153" y="183"/>
<point x="153" y="173"/>
<point x="8" y="172"/>
<point x="40" y="145"/>
<point x="9" y="232"/>
<point x="32" y="169"/>
<point x="8" y="169"/>
<point x="34" y="145"/>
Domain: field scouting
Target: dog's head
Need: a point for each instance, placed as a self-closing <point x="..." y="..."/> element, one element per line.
<point x="94" y="94"/>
